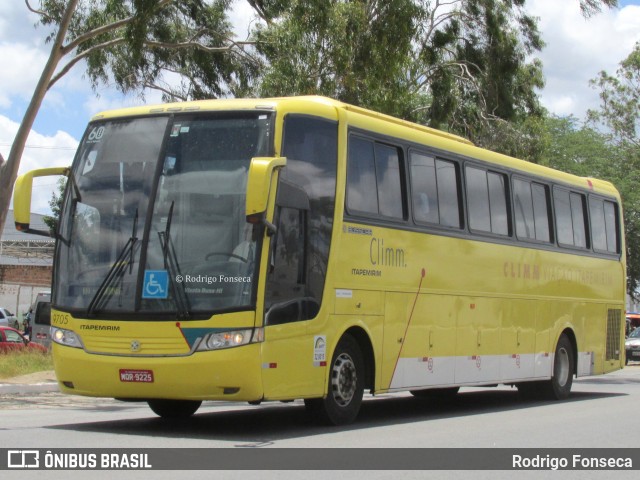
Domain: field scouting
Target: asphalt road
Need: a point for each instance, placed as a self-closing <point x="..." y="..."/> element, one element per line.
<point x="602" y="412"/>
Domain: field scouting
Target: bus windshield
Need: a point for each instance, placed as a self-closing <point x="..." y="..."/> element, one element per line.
<point x="154" y="218"/>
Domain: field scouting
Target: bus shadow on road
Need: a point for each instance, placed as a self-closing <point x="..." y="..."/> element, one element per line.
<point x="271" y="422"/>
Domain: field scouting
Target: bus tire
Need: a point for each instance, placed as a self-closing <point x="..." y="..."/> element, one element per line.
<point x="346" y="386"/>
<point x="174" y="409"/>
<point x="559" y="387"/>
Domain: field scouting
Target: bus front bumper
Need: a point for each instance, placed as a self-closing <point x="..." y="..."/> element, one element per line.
<point x="233" y="374"/>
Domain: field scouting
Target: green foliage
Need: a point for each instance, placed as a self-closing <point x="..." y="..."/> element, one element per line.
<point x="460" y="66"/>
<point x="183" y="48"/>
<point x="14" y="364"/>
<point x="620" y="100"/>
<point x="56" y="206"/>
<point x="585" y="151"/>
<point x="619" y="113"/>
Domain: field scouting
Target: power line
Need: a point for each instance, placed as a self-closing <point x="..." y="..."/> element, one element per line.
<point x="43" y="147"/>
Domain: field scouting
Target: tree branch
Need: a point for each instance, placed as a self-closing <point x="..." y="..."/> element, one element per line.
<point x="79" y="57"/>
<point x="104" y="29"/>
<point x="39" y="12"/>
<point x="170" y="93"/>
<point x="200" y="46"/>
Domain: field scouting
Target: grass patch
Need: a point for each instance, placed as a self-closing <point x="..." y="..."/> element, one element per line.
<point x="14" y="364"/>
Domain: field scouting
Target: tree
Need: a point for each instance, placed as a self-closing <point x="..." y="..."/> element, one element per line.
<point x="619" y="113"/>
<point x="135" y="43"/>
<point x="55" y="203"/>
<point x="452" y="65"/>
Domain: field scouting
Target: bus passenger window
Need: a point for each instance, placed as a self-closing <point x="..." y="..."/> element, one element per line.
<point x="362" y="193"/>
<point x="579" y="220"/>
<point x="612" y="228"/>
<point x="435" y="187"/>
<point x="531" y="210"/>
<point x="448" y="177"/>
<point x="478" y="200"/>
<point x="487" y="201"/>
<point x="389" y="181"/>
<point x="374" y="179"/>
<point x="598" y="232"/>
<point x="571" y="222"/>
<point x="604" y="225"/>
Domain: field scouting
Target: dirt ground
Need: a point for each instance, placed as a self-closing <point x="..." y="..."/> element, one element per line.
<point x="47" y="376"/>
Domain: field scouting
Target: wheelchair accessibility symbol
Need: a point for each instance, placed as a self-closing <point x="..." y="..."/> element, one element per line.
<point x="156" y="284"/>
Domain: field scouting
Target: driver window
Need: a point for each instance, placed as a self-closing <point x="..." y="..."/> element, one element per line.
<point x="286" y="273"/>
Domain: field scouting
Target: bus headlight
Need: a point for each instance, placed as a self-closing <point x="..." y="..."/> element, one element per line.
<point x="66" y="337"/>
<point x="235" y="338"/>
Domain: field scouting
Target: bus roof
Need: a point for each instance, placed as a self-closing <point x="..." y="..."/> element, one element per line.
<point x="403" y="128"/>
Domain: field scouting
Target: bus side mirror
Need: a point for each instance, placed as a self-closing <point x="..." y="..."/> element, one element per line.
<point x="259" y="182"/>
<point x="22" y="192"/>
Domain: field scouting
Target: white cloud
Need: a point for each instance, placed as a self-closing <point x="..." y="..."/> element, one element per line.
<point x="42" y="151"/>
<point x="578" y="48"/>
<point x="26" y="63"/>
<point x="241" y="16"/>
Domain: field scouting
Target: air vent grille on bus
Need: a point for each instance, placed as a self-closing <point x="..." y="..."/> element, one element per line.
<point x="614" y="322"/>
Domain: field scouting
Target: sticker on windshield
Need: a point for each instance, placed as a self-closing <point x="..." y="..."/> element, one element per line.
<point x="95" y="135"/>
<point x="156" y="284"/>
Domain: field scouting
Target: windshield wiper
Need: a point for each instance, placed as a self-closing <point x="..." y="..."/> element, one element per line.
<point x="117" y="269"/>
<point x="171" y="264"/>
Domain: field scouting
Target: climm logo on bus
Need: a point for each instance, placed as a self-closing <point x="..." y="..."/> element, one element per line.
<point x="382" y="256"/>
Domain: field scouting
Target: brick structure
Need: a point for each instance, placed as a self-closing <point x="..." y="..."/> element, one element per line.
<point x="32" y="275"/>
<point x="25" y="265"/>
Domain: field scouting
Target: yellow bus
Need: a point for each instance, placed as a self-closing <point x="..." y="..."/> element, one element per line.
<point x="302" y="248"/>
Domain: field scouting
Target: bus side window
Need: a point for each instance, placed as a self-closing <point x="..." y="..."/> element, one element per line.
<point x="374" y="179"/>
<point x="362" y="193"/>
<point x="435" y="190"/>
<point x="531" y="210"/>
<point x="571" y="222"/>
<point x="487" y="201"/>
<point x="604" y="225"/>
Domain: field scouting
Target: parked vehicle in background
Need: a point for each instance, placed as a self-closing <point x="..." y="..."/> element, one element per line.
<point x="12" y="340"/>
<point x="633" y="321"/>
<point x="41" y="320"/>
<point x="7" y="318"/>
<point x="632" y="346"/>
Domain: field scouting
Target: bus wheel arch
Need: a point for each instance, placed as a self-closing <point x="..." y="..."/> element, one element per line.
<point x="564" y="367"/>
<point x="366" y="347"/>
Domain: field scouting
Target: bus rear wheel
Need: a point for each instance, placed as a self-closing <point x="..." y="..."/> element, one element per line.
<point x="559" y="387"/>
<point x="346" y="386"/>
<point x="174" y="409"/>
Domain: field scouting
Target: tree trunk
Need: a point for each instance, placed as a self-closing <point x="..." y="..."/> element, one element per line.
<point x="9" y="168"/>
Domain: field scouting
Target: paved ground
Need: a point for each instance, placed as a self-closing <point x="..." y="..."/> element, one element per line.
<point x="47" y="376"/>
<point x="31" y="383"/>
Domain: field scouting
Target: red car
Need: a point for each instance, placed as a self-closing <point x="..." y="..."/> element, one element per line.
<point x="11" y="340"/>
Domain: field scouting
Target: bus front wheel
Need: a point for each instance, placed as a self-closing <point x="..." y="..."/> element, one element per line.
<point x="174" y="409"/>
<point x="346" y="386"/>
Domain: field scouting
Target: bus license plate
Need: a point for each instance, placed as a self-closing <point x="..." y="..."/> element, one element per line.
<point x="139" y="376"/>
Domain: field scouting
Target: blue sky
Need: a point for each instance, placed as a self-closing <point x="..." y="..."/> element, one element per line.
<point x="577" y="49"/>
